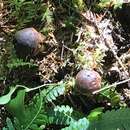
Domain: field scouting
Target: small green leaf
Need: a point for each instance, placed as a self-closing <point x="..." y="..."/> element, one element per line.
<point x="81" y="124"/>
<point x="115" y="100"/>
<point x="4" y="128"/>
<point x="112" y="120"/>
<point x="94" y="114"/>
<point x="78" y="4"/>
<point x="6" y="98"/>
<point x="118" y="4"/>
<point x="9" y="124"/>
<point x="16" y="105"/>
<point x="54" y="91"/>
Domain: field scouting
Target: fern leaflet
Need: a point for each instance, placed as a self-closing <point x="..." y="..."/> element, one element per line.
<point x="81" y="124"/>
<point x="9" y="125"/>
<point x="113" y="120"/>
<point x="61" y="115"/>
<point x="54" y="91"/>
<point x="15" y="63"/>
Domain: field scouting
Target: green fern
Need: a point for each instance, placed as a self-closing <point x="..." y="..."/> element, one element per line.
<point x="108" y="3"/>
<point x="79" y="4"/>
<point x="25" y="12"/>
<point x="81" y="124"/>
<point x="113" y="120"/>
<point x="27" y="116"/>
<point x="32" y="113"/>
<point x="47" y="16"/>
<point x="15" y="63"/>
<point x="16" y="105"/>
<point x="64" y="115"/>
<point x="35" y="116"/>
<point x="54" y="91"/>
<point x="9" y="125"/>
<point x="61" y="115"/>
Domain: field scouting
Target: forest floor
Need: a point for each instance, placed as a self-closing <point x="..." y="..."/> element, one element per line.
<point x="78" y="37"/>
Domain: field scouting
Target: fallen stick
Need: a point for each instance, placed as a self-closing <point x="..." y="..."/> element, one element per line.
<point x="110" y="86"/>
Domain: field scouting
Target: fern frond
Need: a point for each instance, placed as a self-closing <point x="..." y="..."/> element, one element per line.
<point x="34" y="115"/>
<point x="54" y="91"/>
<point x="15" y="63"/>
<point x="48" y="16"/>
<point x="31" y="116"/>
<point x="33" y="112"/>
<point x="64" y="115"/>
<point x="61" y="115"/>
<point x="9" y="125"/>
<point x="113" y="120"/>
<point x="81" y="124"/>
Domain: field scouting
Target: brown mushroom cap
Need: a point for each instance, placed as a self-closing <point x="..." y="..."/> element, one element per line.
<point x="29" y="41"/>
<point x="88" y="81"/>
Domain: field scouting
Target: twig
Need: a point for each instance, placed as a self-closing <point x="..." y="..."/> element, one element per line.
<point x="113" y="85"/>
<point x="71" y="38"/>
<point x="79" y="35"/>
<point x="62" y="52"/>
<point x="68" y="48"/>
<point x="32" y="89"/>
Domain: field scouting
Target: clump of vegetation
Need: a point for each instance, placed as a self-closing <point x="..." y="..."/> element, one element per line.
<point x="67" y="86"/>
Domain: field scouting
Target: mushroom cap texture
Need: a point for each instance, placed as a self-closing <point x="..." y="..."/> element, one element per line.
<point x="29" y="37"/>
<point x="28" y="42"/>
<point x="88" y="81"/>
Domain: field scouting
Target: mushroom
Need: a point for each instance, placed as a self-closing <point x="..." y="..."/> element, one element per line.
<point x="88" y="81"/>
<point x="29" y="42"/>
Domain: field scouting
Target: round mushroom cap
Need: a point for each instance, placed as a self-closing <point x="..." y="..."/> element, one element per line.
<point x="88" y="81"/>
<point x="29" y="41"/>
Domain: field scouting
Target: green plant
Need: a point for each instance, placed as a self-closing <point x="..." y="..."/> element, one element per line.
<point x="36" y="115"/>
<point x="6" y="98"/>
<point x="25" y="12"/>
<point x="81" y="124"/>
<point x="112" y="120"/>
<point x="109" y="3"/>
<point x="54" y="91"/>
<point x="27" y="116"/>
<point x="9" y="125"/>
<point x="95" y="114"/>
<point x="111" y="95"/>
<point x="47" y="18"/>
<point x="64" y="115"/>
<point x="61" y="115"/>
<point x="58" y="104"/>
<point x="88" y="59"/>
<point x="15" y="63"/>
<point x="79" y="4"/>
